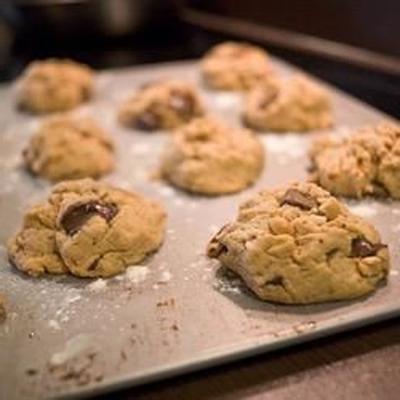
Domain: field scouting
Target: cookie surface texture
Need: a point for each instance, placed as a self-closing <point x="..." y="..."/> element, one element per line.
<point x="365" y="163"/>
<point x="69" y="148"/>
<point x="293" y="104"/>
<point x="299" y="245"/>
<point x="54" y="85"/>
<point x="211" y="158"/>
<point x="166" y="104"/>
<point x="235" y="66"/>
<point x="88" y="229"/>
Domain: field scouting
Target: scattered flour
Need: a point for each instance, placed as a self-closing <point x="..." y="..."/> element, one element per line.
<point x="73" y="348"/>
<point x="289" y="144"/>
<point x="165" y="277"/>
<point x="97" y="286"/>
<point x="166" y="191"/>
<point x="213" y="229"/>
<point x="136" y="273"/>
<point x="226" y="101"/>
<point x="363" y="210"/>
<point x="140" y="148"/>
<point x="396" y="228"/>
<point x="53" y="324"/>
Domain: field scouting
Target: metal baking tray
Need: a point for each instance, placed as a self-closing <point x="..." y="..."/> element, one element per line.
<point x="177" y="313"/>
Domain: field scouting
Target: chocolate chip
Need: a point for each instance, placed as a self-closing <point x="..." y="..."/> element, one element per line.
<point x="147" y="121"/>
<point x="275" y="281"/>
<point x="364" y="248"/>
<point x="183" y="103"/>
<point x="76" y="216"/>
<point x="294" y="197"/>
<point x="94" y="264"/>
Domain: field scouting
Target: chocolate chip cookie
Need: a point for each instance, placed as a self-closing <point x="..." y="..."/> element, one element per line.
<point x="208" y="157"/>
<point x="299" y="245"/>
<point x="69" y="148"/>
<point x="366" y="163"/>
<point x="235" y="66"/>
<point x="88" y="229"/>
<point x="54" y="85"/>
<point x="165" y="104"/>
<point x="294" y="104"/>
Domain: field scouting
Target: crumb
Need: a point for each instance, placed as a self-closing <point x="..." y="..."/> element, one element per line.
<point x="3" y="312"/>
<point x="166" y="303"/>
<point x="305" y="327"/>
<point x="31" y="371"/>
<point x="174" y="327"/>
<point x="123" y="355"/>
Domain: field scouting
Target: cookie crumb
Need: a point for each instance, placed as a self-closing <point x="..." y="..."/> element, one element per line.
<point x="31" y="371"/>
<point x="97" y="286"/>
<point x="3" y="312"/>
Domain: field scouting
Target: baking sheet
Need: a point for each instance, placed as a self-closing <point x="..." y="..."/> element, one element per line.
<point x="177" y="312"/>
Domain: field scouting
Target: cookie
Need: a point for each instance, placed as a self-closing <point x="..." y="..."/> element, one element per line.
<point x="235" y="66"/>
<point x="69" y="148"/>
<point x="299" y="245"/>
<point x="366" y="163"/>
<point x="165" y="104"/>
<point x="294" y="104"/>
<point x="88" y="229"/>
<point x="54" y="85"/>
<point x="210" y="158"/>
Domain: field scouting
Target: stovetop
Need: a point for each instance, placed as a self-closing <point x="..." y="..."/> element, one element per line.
<point x="176" y="40"/>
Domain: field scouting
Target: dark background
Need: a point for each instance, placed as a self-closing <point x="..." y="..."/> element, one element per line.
<point x="28" y="32"/>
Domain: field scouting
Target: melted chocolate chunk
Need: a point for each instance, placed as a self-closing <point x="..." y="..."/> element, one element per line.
<point x="76" y="216"/>
<point x="94" y="264"/>
<point x="275" y="281"/>
<point x="364" y="248"/>
<point x="294" y="197"/>
<point x="183" y="103"/>
<point x="147" y="121"/>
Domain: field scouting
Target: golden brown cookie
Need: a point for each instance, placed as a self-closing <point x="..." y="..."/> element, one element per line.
<point x="209" y="157"/>
<point x="282" y="105"/>
<point x="366" y="163"/>
<point x="88" y="229"/>
<point x="54" y="85"/>
<point x="164" y="104"/>
<point x="69" y="148"/>
<point x="299" y="245"/>
<point x="235" y="66"/>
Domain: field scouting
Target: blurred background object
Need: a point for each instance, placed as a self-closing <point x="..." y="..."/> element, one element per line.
<point x="354" y="45"/>
<point x="368" y="24"/>
<point x="76" y="18"/>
